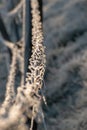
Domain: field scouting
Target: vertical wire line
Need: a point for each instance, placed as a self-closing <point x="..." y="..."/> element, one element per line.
<point x="10" y="92"/>
<point x="26" y="33"/>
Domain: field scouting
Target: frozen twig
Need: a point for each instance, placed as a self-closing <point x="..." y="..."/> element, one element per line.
<point x="16" y="10"/>
<point x="10" y="92"/>
<point x="7" y="43"/>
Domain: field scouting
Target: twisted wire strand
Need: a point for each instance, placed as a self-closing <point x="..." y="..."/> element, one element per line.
<point x="37" y="60"/>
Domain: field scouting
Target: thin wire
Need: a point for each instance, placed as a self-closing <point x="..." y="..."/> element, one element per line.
<point x="32" y="120"/>
<point x="44" y="123"/>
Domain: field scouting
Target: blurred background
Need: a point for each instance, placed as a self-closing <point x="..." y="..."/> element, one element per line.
<point x="65" y="32"/>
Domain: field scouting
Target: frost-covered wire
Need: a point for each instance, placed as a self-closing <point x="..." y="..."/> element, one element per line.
<point x="28" y="98"/>
<point x="10" y="92"/>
